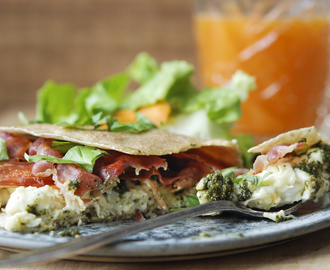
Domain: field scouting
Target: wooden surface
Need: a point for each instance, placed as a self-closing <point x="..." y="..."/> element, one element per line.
<point x="83" y="41"/>
<point x="309" y="252"/>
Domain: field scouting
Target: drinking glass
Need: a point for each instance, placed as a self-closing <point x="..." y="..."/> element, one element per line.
<point x="283" y="43"/>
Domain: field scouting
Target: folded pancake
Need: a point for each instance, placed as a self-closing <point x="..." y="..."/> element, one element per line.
<point x="294" y="166"/>
<point x="46" y="181"/>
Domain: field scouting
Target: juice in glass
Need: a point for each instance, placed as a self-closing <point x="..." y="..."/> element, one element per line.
<point x="289" y="58"/>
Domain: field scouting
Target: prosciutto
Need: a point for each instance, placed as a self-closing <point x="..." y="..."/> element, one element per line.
<point x="272" y="156"/>
<point x="118" y="164"/>
<point x="16" y="146"/>
<point x="79" y="179"/>
<point x="14" y="173"/>
<point x="43" y="168"/>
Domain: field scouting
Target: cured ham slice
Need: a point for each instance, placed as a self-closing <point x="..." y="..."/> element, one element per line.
<point x="119" y="163"/>
<point x="14" y="174"/>
<point x="274" y="154"/>
<point x="79" y="179"/>
<point x="16" y="146"/>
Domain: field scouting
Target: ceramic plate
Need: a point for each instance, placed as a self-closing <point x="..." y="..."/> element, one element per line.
<point x="200" y="236"/>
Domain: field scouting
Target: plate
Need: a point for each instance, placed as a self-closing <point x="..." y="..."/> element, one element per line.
<point x="198" y="237"/>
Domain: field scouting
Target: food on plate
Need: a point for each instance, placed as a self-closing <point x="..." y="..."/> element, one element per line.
<point x="292" y="167"/>
<point x="147" y="96"/>
<point x="52" y="176"/>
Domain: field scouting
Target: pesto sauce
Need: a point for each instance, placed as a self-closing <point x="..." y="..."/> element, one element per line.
<point x="218" y="187"/>
<point x="244" y="193"/>
<point x="32" y="209"/>
<point x="316" y="168"/>
<point x="74" y="184"/>
<point x="72" y="232"/>
<point x="120" y="188"/>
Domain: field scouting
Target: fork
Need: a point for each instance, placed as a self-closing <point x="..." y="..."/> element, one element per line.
<point x="88" y="243"/>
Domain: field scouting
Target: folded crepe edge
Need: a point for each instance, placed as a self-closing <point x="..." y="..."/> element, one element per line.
<point x="153" y="142"/>
<point x="309" y="135"/>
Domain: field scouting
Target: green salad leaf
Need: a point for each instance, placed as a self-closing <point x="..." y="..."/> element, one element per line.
<point x="209" y="113"/>
<point x="171" y="77"/>
<point x="54" y="101"/>
<point x="143" y="68"/>
<point x="3" y="150"/>
<point x="83" y="156"/>
<point x="63" y="146"/>
<point x="192" y="200"/>
<point x="141" y="125"/>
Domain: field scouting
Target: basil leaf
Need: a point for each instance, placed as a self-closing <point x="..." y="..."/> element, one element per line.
<point x="83" y="156"/>
<point x="143" y="124"/>
<point x="192" y="200"/>
<point x="255" y="179"/>
<point x="229" y="172"/>
<point x="3" y="150"/>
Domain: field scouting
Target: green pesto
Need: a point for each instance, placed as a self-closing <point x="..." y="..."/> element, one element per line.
<point x="313" y="168"/>
<point x="218" y="188"/>
<point x="32" y="209"/>
<point x="74" y="184"/>
<point x="72" y="232"/>
<point x="244" y="193"/>
<point x="120" y="188"/>
<point x="316" y="168"/>
<point x="280" y="218"/>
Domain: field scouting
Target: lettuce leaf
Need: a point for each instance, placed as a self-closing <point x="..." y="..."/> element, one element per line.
<point x="207" y="113"/>
<point x="143" y="68"/>
<point x="172" y="77"/>
<point x="192" y="200"/>
<point x="62" y="146"/>
<point x="54" y="101"/>
<point x="141" y="125"/>
<point x="3" y="150"/>
<point x="105" y="95"/>
<point x="83" y="156"/>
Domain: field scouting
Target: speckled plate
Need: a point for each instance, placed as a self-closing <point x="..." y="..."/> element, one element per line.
<point x="197" y="237"/>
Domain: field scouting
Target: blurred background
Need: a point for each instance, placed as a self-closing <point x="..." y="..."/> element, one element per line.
<point x="83" y="41"/>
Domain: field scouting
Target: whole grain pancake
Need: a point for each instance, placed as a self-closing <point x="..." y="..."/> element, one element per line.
<point x="309" y="135"/>
<point x="153" y="142"/>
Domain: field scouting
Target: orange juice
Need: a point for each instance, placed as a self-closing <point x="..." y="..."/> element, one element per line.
<point x="289" y="58"/>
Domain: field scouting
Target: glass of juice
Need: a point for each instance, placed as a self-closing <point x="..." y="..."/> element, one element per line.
<point x="283" y="43"/>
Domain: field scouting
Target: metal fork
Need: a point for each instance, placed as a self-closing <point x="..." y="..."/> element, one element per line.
<point x="88" y="243"/>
